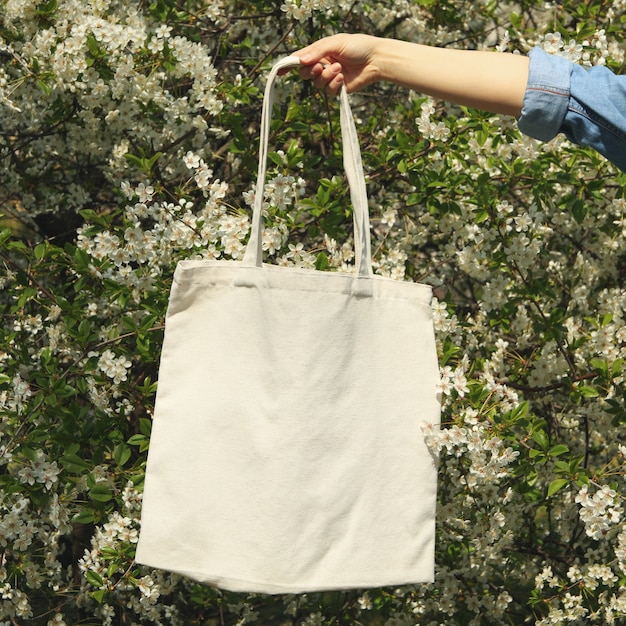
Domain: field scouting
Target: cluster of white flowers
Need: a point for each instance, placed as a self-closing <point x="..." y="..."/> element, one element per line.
<point x="15" y="603"/>
<point x="130" y="85"/>
<point x="25" y="527"/>
<point x="429" y="129"/>
<point x="592" y="52"/>
<point x="453" y="380"/>
<point x="31" y="324"/>
<point x="39" y="470"/>
<point x="301" y="10"/>
<point x="445" y="323"/>
<point x="142" y="594"/>
<point x="115" y="367"/>
<point x="157" y="229"/>
<point x="549" y="366"/>
<point x="554" y="44"/>
<point x="14" y="400"/>
<point x="340" y="256"/>
<point x="579" y="581"/>
<point x="599" y="512"/>
<point x="392" y="263"/>
<point x="487" y="454"/>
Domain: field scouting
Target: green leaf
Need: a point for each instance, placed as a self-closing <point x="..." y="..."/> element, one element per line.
<point x="481" y="215"/>
<point x="92" y="44"/>
<point x="45" y="9"/>
<point x="93" y="578"/>
<point x="601" y="366"/>
<point x="145" y="426"/>
<point x="136" y="440"/>
<point x="101" y="493"/>
<point x="531" y="477"/>
<point x="44" y="87"/>
<point x="150" y="163"/>
<point x="588" y="392"/>
<point x="558" y="450"/>
<point x="29" y="453"/>
<point x="74" y="464"/>
<point x="109" y="553"/>
<point x="98" y="596"/>
<point x="606" y="319"/>
<point x="276" y="158"/>
<point x="40" y="250"/>
<point x="86" y="516"/>
<point x="5" y="235"/>
<point x="148" y="388"/>
<point x="321" y="262"/>
<point x="413" y="199"/>
<point x="141" y="441"/>
<point x="556" y="485"/>
<point x="121" y="454"/>
<point x="541" y="438"/>
<point x="518" y="413"/>
<point x="579" y="210"/>
<point x="562" y="467"/>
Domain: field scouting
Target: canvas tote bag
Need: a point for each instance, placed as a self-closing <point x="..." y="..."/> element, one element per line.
<point x="287" y="452"/>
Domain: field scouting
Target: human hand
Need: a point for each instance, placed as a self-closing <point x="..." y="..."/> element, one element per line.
<point x="338" y="60"/>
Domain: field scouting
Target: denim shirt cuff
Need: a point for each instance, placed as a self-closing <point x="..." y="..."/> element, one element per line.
<point x="547" y="95"/>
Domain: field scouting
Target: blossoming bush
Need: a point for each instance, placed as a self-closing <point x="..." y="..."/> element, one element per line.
<point x="128" y="142"/>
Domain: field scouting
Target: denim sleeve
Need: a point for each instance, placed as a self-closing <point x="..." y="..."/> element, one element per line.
<point x="587" y="105"/>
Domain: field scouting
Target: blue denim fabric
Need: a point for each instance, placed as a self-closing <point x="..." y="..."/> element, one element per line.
<point x="587" y="105"/>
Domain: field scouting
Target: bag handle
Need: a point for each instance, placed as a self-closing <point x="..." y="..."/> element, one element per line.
<point x="352" y="164"/>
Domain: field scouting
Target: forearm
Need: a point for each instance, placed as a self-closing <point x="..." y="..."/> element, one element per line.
<point x="489" y="81"/>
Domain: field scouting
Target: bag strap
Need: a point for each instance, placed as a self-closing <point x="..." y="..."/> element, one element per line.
<point x="352" y="164"/>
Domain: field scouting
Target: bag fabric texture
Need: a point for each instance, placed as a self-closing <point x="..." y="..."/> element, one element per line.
<point x="287" y="453"/>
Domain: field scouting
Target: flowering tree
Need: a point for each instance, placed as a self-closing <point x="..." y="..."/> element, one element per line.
<point x="128" y="141"/>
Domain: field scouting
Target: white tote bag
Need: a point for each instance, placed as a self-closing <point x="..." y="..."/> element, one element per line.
<point x="287" y="452"/>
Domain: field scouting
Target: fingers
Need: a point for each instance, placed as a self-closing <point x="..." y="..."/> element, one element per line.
<point x="325" y="75"/>
<point x="319" y="63"/>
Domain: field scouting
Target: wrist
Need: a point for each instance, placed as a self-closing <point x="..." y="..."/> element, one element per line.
<point x="393" y="60"/>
